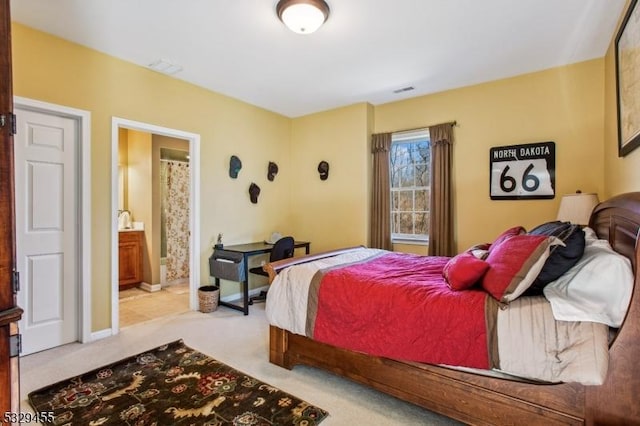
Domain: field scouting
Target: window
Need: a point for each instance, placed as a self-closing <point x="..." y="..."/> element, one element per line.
<point x="410" y="174"/>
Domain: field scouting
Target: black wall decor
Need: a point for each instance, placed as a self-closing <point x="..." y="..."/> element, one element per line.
<point x="272" y="170"/>
<point x="234" y="166"/>
<point x="254" y="192"/>
<point x="523" y="171"/>
<point x="323" y="169"/>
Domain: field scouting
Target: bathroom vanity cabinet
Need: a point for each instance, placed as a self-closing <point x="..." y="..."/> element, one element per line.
<point x="130" y="247"/>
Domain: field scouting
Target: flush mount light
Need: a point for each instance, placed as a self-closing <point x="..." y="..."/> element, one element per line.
<point x="303" y="16"/>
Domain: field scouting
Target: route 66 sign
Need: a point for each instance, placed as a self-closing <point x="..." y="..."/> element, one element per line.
<point x="523" y="171"/>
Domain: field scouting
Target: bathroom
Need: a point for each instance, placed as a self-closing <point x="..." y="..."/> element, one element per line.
<point x="153" y="221"/>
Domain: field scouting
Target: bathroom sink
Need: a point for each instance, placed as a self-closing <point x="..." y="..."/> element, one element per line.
<point x="135" y="226"/>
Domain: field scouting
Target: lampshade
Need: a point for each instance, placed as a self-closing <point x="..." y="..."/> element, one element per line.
<point x="303" y="16"/>
<point x="576" y="208"/>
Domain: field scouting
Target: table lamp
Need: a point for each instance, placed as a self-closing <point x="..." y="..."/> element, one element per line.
<point x="576" y="208"/>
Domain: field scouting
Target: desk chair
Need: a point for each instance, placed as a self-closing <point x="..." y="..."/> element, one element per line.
<point x="282" y="249"/>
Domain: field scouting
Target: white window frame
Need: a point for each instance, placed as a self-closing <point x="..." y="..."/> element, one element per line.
<point x="407" y="137"/>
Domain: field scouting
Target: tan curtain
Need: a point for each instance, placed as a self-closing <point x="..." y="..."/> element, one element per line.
<point x="441" y="209"/>
<point x="381" y="197"/>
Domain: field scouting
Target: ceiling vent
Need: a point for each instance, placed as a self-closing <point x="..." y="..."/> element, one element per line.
<point x="404" y="89"/>
<point x="165" y="67"/>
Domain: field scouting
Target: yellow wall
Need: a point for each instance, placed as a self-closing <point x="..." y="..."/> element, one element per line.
<point x="331" y="213"/>
<point x="564" y="105"/>
<point x="621" y="174"/>
<point x="123" y="175"/>
<point x="52" y="70"/>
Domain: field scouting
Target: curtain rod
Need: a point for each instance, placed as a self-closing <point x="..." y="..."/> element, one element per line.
<point x="175" y="161"/>
<point x="453" y="123"/>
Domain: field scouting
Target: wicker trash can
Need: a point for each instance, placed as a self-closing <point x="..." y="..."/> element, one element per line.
<point x="208" y="298"/>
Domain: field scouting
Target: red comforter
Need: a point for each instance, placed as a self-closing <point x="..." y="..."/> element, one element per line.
<point x="399" y="306"/>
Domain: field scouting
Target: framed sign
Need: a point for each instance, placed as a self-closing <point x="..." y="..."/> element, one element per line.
<point x="523" y="171"/>
<point x="628" y="81"/>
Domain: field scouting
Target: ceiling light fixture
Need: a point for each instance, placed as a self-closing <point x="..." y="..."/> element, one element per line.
<point x="303" y="16"/>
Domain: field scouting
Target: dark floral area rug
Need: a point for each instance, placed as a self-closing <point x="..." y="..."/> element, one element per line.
<point x="170" y="385"/>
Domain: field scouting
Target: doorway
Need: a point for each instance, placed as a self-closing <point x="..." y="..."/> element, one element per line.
<point x="191" y="179"/>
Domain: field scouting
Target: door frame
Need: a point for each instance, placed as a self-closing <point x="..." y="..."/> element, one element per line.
<point x="194" y="205"/>
<point x="83" y="202"/>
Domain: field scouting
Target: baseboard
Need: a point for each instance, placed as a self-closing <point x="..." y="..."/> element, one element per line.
<point x="237" y="296"/>
<point x="150" y="287"/>
<point x="97" y="335"/>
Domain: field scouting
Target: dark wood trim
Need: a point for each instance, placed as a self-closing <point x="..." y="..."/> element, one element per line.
<point x="7" y="219"/>
<point x="9" y="313"/>
<point x="477" y="399"/>
<point x="5" y="370"/>
<point x="9" y="316"/>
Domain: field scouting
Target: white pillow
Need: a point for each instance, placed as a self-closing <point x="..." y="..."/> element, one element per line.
<point x="590" y="236"/>
<point x="598" y="288"/>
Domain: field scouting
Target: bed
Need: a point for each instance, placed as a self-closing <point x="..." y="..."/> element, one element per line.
<point x="480" y="399"/>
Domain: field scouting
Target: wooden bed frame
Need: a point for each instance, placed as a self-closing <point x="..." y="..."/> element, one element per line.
<point x="477" y="399"/>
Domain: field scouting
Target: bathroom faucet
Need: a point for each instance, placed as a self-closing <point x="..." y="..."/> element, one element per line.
<point x="124" y="219"/>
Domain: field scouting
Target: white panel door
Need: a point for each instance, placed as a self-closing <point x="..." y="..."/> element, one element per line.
<point x="46" y="247"/>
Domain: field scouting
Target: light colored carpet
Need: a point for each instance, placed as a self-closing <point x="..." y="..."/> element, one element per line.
<point x="239" y="341"/>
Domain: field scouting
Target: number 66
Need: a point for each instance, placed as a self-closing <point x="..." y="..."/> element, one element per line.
<point x="529" y="182"/>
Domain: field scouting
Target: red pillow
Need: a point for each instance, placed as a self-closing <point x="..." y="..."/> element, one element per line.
<point x="511" y="232"/>
<point x="514" y="265"/>
<point x="463" y="271"/>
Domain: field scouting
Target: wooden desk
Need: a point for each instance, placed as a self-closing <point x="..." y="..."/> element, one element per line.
<point x="248" y="250"/>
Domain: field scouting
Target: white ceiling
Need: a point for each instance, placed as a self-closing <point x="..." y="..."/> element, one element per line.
<point x="365" y="51"/>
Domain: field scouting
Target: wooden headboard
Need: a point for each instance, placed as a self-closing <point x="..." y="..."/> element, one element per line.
<point x="618" y="220"/>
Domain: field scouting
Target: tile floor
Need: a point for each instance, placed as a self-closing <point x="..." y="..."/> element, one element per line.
<point x="137" y="305"/>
